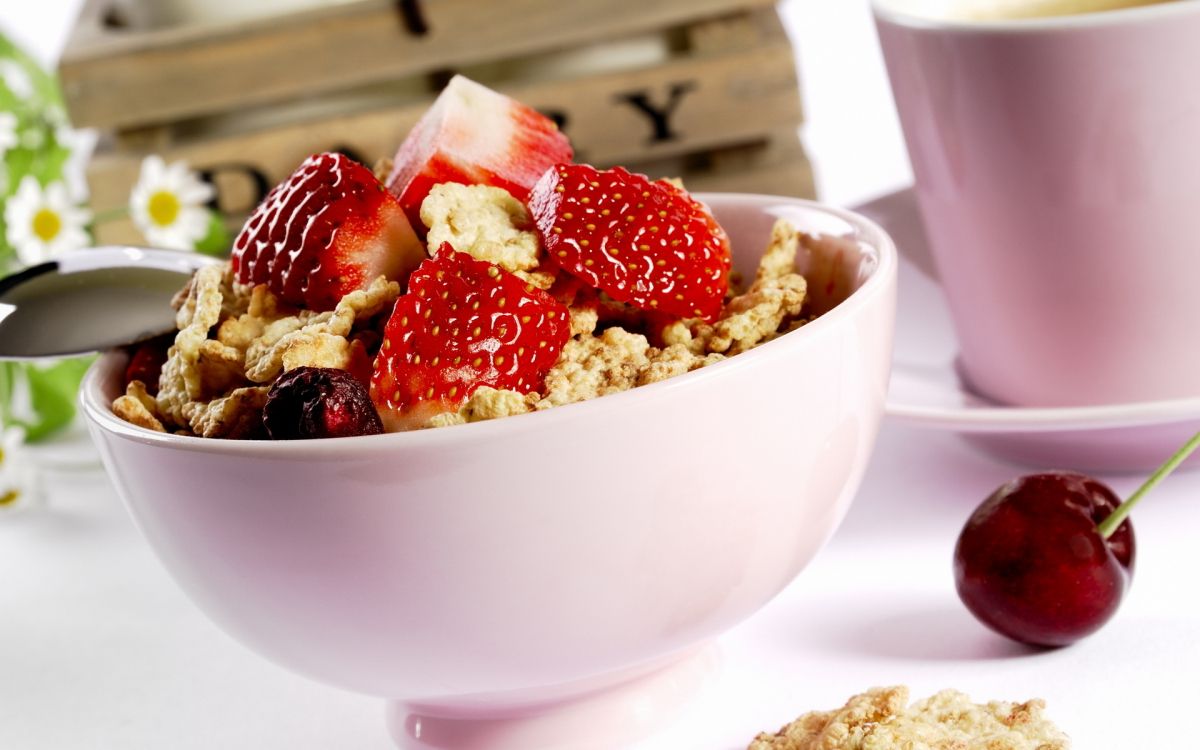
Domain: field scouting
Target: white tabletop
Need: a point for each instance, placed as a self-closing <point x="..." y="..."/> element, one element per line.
<point x="99" y="649"/>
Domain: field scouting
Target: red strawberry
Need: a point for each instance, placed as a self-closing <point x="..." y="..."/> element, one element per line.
<point x="329" y="229"/>
<point x="464" y="323"/>
<point x="646" y="243"/>
<point x="474" y="135"/>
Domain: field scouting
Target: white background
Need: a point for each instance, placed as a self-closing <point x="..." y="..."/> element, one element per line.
<point x="98" y="649"/>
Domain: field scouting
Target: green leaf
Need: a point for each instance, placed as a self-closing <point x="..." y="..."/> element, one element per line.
<point x="8" y="378"/>
<point x="217" y="241"/>
<point x="52" y="392"/>
<point x="45" y="87"/>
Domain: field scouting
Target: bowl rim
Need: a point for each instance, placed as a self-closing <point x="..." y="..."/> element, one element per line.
<point x="97" y="408"/>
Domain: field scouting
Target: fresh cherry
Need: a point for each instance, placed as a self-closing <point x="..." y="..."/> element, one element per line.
<point x="1031" y="565"/>
<point x="319" y="402"/>
<point x="1047" y="558"/>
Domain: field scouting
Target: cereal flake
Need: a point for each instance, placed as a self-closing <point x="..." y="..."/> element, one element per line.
<point x="881" y="719"/>
<point x="485" y="403"/>
<point x="483" y="221"/>
<point x="312" y="339"/>
<point x="237" y="415"/>
<point x="138" y="407"/>
<point x="593" y="366"/>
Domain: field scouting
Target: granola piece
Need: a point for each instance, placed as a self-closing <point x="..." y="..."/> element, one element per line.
<point x="234" y="297"/>
<point x="543" y="278"/>
<point x="325" y="350"/>
<point x="315" y="350"/>
<point x="693" y="334"/>
<point x="483" y="221"/>
<point x="776" y="297"/>
<point x="182" y="378"/>
<point x="881" y="719"/>
<point x="778" y="261"/>
<point x="236" y="416"/>
<point x="138" y="407"/>
<point x="584" y="319"/>
<point x="674" y="360"/>
<point x="309" y="334"/>
<point x="486" y="403"/>
<point x="593" y="366"/>
<point x="262" y="308"/>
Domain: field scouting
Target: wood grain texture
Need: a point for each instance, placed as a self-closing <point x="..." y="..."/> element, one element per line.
<point x="703" y="99"/>
<point x="776" y="166"/>
<point x="129" y="78"/>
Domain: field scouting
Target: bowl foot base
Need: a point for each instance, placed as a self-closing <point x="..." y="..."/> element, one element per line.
<point x="601" y="720"/>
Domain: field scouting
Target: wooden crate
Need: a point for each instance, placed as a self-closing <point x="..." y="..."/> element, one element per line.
<point x="702" y="89"/>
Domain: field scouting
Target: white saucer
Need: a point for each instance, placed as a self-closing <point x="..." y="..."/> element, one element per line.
<point x="927" y="392"/>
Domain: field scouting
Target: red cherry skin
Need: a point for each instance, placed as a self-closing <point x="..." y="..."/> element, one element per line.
<point x="1031" y="564"/>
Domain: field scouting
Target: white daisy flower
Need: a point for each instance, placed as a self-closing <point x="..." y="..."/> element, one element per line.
<point x="17" y="480"/>
<point x="80" y="144"/>
<point x="8" y="132"/>
<point x="43" y="223"/>
<point x="167" y="204"/>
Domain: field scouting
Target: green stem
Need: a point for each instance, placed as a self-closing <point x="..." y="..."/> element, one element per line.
<point x="6" y="391"/>
<point x="1110" y="524"/>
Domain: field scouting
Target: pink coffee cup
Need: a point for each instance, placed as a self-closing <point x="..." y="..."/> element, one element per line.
<point x="1057" y="166"/>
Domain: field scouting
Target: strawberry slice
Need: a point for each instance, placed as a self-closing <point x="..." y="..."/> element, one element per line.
<point x="146" y="361"/>
<point x="475" y="136"/>
<point x="464" y="323"/>
<point x="328" y="230"/>
<point x="646" y="243"/>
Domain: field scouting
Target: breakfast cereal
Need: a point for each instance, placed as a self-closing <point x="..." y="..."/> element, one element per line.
<point x="474" y="285"/>
<point x="882" y="719"/>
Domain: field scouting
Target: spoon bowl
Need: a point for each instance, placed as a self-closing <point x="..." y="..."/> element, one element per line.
<point x="92" y="300"/>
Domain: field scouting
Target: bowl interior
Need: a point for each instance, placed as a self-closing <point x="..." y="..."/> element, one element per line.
<point x="844" y="256"/>
<point x="844" y="252"/>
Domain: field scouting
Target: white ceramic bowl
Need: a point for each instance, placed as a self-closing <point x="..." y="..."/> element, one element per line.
<point x="513" y="568"/>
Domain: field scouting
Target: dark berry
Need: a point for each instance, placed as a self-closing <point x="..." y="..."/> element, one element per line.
<point x="1032" y="565"/>
<point x="319" y="402"/>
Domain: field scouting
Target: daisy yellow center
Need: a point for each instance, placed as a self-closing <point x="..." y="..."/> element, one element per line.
<point x="46" y="224"/>
<point x="9" y="497"/>
<point x="163" y="208"/>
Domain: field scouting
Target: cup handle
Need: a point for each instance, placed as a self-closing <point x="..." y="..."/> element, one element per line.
<point x="899" y="214"/>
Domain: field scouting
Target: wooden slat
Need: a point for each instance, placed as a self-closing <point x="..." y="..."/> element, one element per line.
<point x="776" y="166"/>
<point x="721" y="98"/>
<point x="135" y="78"/>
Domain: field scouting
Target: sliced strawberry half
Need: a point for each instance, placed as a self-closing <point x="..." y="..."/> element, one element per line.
<point x="646" y="243"/>
<point x="328" y="230"/>
<point x="474" y="135"/>
<point x="464" y="323"/>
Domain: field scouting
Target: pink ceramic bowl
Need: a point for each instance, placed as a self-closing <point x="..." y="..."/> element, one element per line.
<point x="487" y="578"/>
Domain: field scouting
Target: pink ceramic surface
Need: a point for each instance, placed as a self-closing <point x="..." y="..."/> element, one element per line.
<point x="484" y="576"/>
<point x="1057" y="170"/>
<point x="927" y="389"/>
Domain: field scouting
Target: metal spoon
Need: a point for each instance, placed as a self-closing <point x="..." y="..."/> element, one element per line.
<point x="92" y="299"/>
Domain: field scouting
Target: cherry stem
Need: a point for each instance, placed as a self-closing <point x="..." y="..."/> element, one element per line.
<point x="1110" y="524"/>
